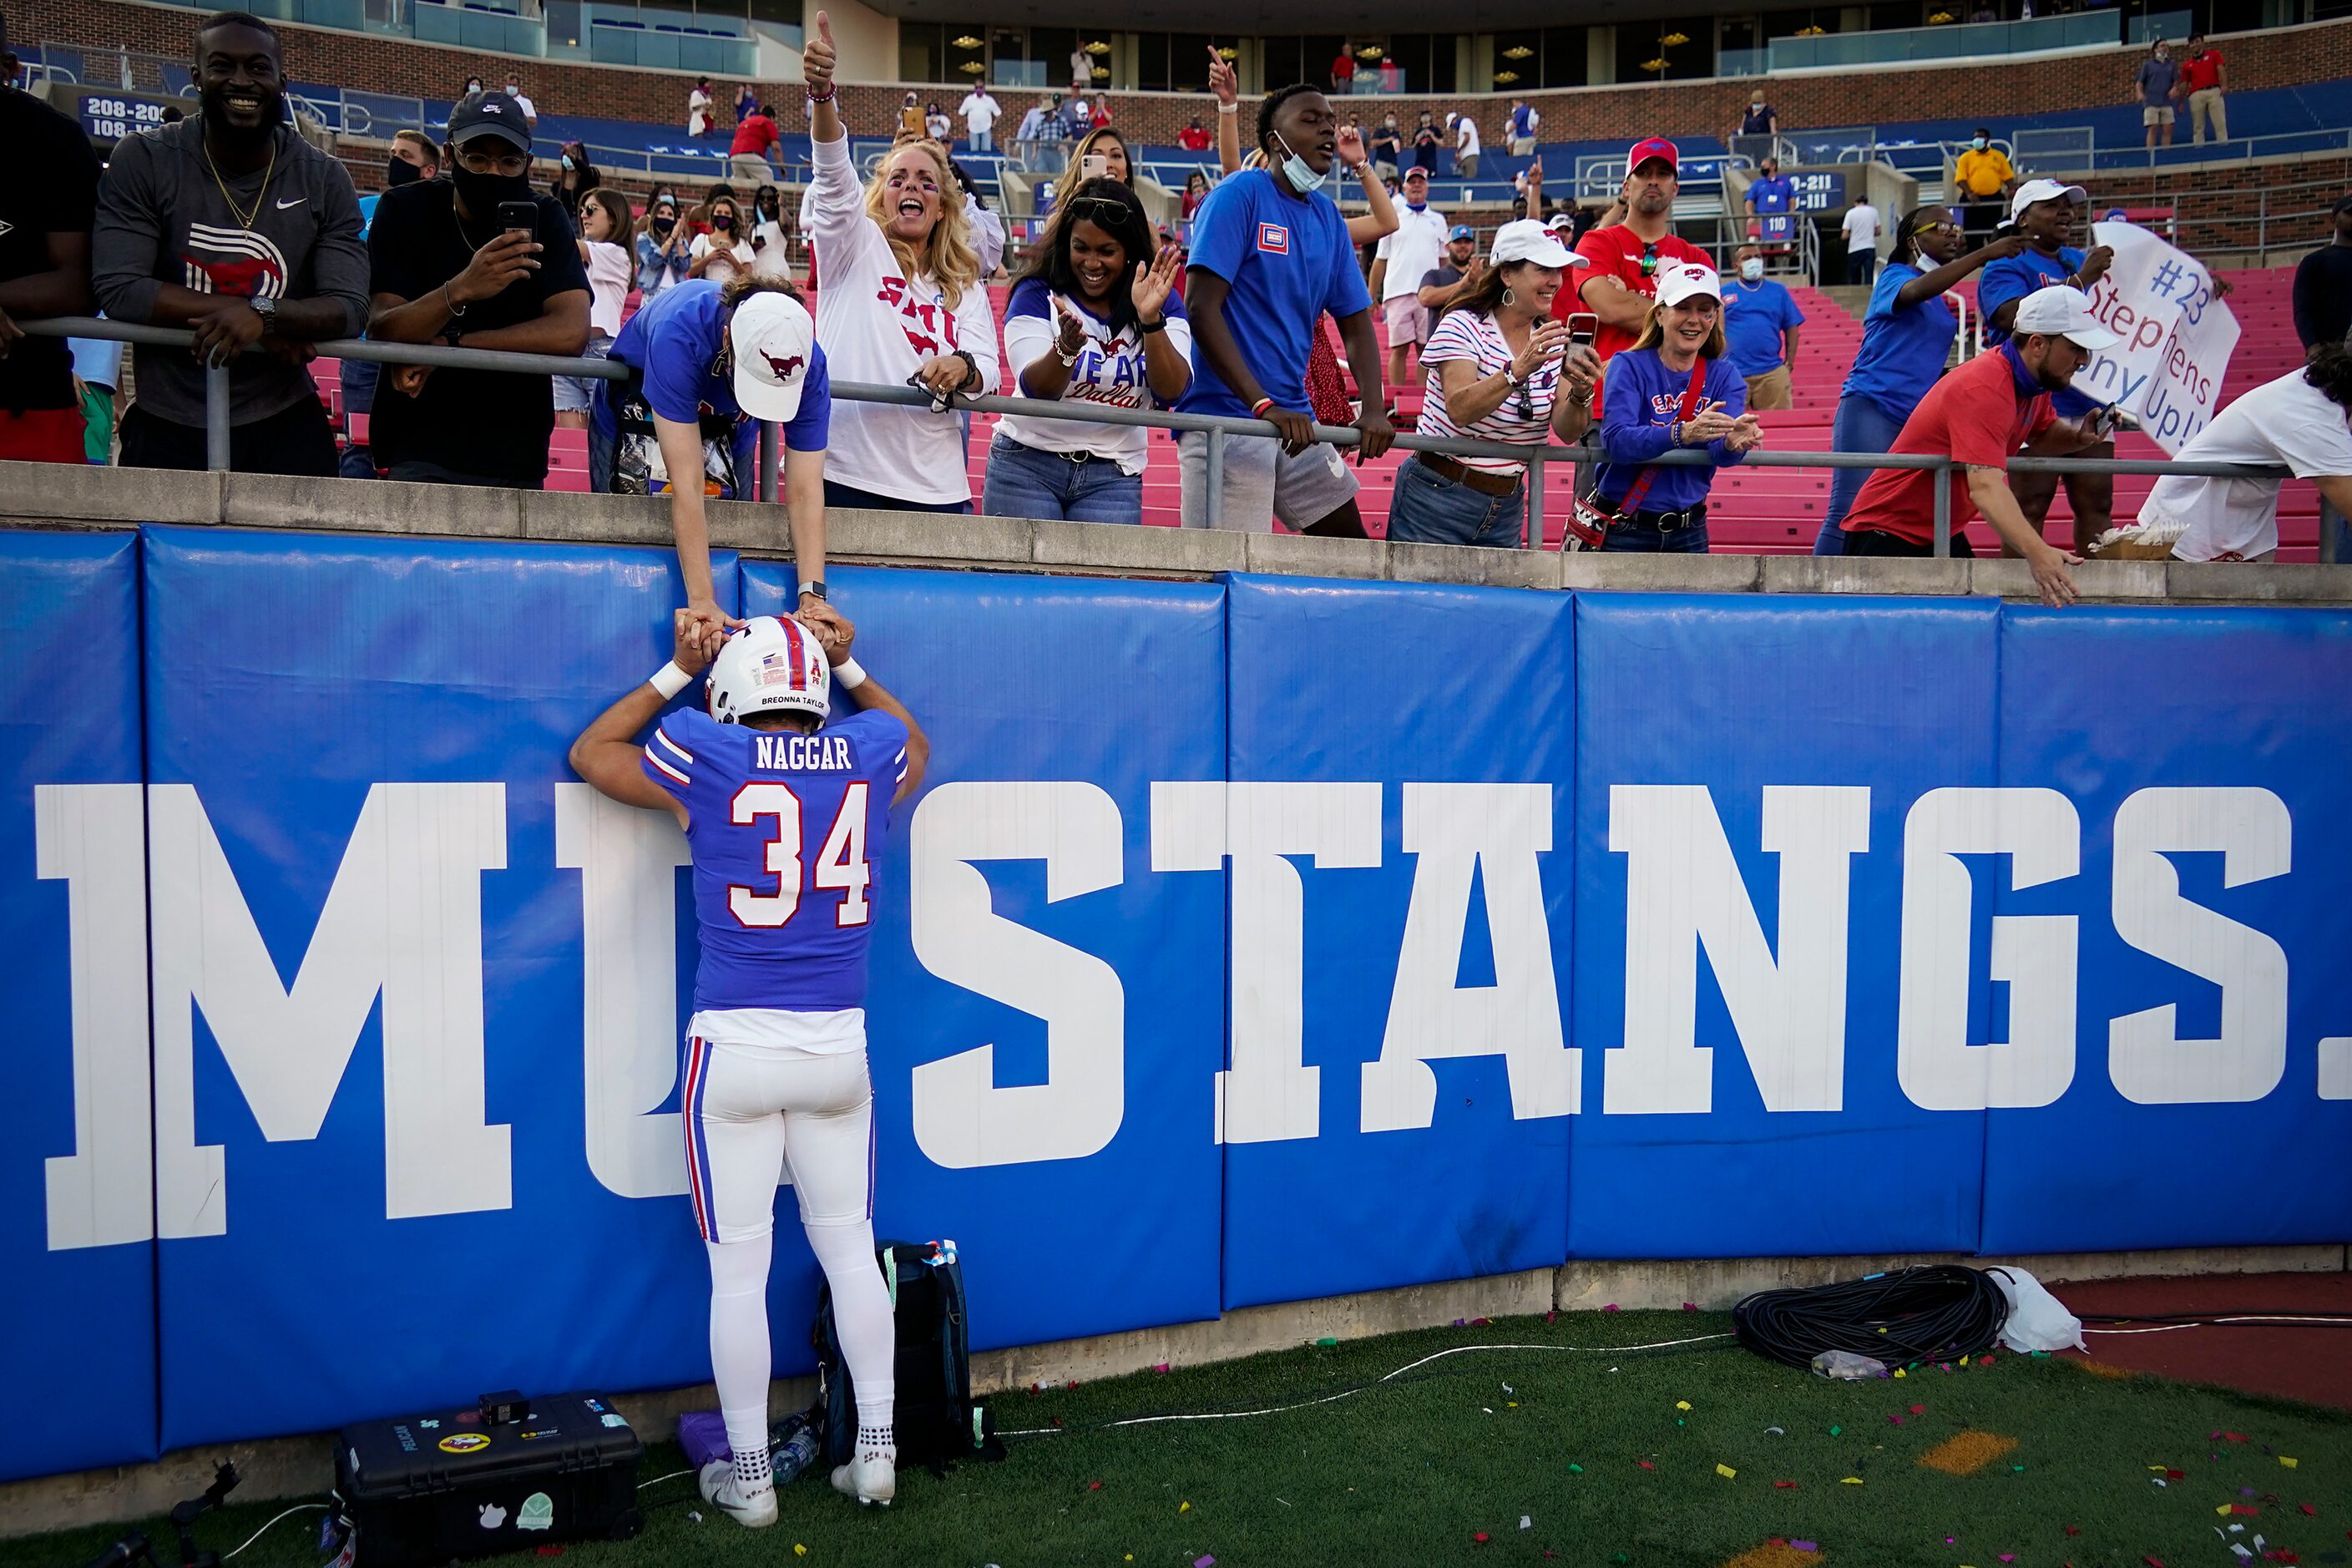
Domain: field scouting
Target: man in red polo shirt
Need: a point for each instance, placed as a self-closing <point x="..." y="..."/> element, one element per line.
<point x="2200" y="84"/>
<point x="1980" y="416"/>
<point x="1623" y="260"/>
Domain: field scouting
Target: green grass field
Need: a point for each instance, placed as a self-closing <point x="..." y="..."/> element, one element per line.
<point x="1593" y="1449"/>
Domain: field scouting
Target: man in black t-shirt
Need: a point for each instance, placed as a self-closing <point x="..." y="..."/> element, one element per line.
<point x="2322" y="286"/>
<point x="446" y="270"/>
<point x="46" y="206"/>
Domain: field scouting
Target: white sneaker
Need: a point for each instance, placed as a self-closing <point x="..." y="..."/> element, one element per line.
<point x="719" y="1489"/>
<point x="872" y="1478"/>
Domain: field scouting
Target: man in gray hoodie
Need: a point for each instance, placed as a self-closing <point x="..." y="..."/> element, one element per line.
<point x="229" y="222"/>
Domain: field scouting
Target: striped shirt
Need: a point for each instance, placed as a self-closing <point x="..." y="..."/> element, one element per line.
<point x="1466" y="335"/>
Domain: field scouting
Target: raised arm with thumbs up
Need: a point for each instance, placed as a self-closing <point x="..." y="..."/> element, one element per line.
<point x="818" y="58"/>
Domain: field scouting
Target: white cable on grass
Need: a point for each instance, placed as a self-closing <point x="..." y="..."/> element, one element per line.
<point x="1346" y="1392"/>
<point x="258" y="1534"/>
<point x="2213" y="1322"/>
<point x="659" y="1480"/>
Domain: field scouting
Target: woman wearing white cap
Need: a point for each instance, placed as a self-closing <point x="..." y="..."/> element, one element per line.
<point x="902" y="305"/>
<point x="1498" y="368"/>
<point x="1673" y="389"/>
<point x="709" y="361"/>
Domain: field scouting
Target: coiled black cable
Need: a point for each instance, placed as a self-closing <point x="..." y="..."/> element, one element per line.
<point x="1932" y="1312"/>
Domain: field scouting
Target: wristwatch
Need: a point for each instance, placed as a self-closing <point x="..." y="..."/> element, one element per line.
<point x="812" y="589"/>
<point x="1148" y="328"/>
<point x="266" y="307"/>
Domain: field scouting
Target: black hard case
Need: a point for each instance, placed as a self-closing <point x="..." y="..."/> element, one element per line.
<point x="426" y="1489"/>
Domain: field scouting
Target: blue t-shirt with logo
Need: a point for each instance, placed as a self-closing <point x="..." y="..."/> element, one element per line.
<point x="2015" y="277"/>
<point x="1754" y="316"/>
<point x="1287" y="261"/>
<point x="817" y="806"/>
<point x="1904" y="347"/>
<point x="1772" y="193"/>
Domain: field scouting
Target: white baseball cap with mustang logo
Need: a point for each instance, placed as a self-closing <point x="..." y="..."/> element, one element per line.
<point x="774" y="340"/>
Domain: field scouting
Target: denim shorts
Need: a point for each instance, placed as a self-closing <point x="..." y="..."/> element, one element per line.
<point x="1023" y="481"/>
<point x="577" y="394"/>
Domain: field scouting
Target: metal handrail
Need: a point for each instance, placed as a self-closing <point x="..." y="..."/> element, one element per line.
<point x="1219" y="427"/>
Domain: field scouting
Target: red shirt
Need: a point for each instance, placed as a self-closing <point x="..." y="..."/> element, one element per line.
<point x="1616" y="252"/>
<point x="1102" y="116"/>
<point x="1980" y="416"/>
<point x="1343" y="68"/>
<point x="2201" y="71"/>
<point x="757" y="133"/>
<point x="1193" y="139"/>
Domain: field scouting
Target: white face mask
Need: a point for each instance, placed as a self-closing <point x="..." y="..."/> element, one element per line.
<point x="1752" y="269"/>
<point x="1757" y="107"/>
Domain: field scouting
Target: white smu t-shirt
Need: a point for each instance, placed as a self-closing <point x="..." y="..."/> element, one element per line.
<point x="1861" y="227"/>
<point x="2286" y="421"/>
<point x="1411" y="249"/>
<point x="1109" y="371"/>
<point x="980" y="113"/>
<point x="1465" y="136"/>
<point x="1466" y="334"/>
<point x="877" y="325"/>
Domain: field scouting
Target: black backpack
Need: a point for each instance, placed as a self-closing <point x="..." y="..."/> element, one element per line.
<point x="936" y="1421"/>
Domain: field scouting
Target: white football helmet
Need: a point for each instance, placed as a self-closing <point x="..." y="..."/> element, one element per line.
<point x="775" y="664"/>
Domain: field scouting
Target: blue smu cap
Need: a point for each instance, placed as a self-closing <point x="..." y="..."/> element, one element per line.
<point x="1462" y="231"/>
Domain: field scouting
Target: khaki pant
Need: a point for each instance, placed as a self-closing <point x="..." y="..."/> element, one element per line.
<point x="1771" y="390"/>
<point x="2203" y="105"/>
<point x="750" y="166"/>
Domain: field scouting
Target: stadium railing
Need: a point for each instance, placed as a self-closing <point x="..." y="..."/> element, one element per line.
<point x="1219" y="428"/>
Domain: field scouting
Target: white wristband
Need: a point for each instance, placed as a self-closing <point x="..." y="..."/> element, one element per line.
<point x="1233" y="108"/>
<point x="669" y="680"/>
<point x="848" y="676"/>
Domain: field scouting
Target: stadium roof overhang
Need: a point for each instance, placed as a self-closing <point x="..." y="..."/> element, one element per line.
<point x="1253" y="16"/>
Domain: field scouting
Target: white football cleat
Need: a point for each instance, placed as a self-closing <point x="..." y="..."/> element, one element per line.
<point x="720" y="1491"/>
<point x="872" y="1478"/>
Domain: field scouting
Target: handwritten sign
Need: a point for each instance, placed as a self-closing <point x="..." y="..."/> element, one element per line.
<point x="2177" y="336"/>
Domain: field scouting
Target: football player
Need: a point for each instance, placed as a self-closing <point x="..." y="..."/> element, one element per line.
<point x="786" y="815"/>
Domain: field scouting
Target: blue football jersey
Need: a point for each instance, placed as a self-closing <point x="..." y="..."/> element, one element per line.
<point x="787" y="832"/>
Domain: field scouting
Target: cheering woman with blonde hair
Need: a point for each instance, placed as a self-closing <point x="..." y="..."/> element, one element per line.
<point x="902" y="304"/>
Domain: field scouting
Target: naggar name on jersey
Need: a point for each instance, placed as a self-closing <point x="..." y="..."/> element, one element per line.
<point x="786" y="830"/>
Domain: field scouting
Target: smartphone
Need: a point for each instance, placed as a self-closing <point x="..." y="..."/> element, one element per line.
<point x="523" y="215"/>
<point x="1584" y="326"/>
<point x="1094" y="166"/>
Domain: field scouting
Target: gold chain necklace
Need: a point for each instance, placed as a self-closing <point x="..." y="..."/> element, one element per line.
<point x="245" y="220"/>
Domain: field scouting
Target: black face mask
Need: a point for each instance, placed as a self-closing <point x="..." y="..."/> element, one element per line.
<point x="400" y="172"/>
<point x="483" y="193"/>
<point x="664" y="225"/>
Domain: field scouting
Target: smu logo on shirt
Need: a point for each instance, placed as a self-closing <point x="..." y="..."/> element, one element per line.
<point x="1274" y="239"/>
<point x="925" y="323"/>
<point x="232" y="261"/>
<point x="1665" y="407"/>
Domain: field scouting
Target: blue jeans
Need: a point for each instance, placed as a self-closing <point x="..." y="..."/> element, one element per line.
<point x="1690" y="540"/>
<point x="983" y="141"/>
<point x="1429" y="509"/>
<point x="1023" y="481"/>
<point x="1862" y="426"/>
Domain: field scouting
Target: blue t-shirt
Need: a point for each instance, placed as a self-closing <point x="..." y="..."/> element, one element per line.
<point x="1640" y="400"/>
<point x="1287" y="261"/>
<point x="1754" y="315"/>
<point x="2015" y="277"/>
<point x="1902" y="346"/>
<point x="675" y="340"/>
<point x="1772" y="193"/>
<point x="819" y="806"/>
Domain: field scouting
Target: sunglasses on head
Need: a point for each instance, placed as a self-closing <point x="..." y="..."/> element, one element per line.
<point x="1096" y="209"/>
<point x="1649" y="259"/>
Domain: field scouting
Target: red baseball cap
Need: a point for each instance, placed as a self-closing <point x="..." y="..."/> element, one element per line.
<point x="1654" y="147"/>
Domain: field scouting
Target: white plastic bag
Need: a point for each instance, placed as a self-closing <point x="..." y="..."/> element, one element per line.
<point x="2037" y="1319"/>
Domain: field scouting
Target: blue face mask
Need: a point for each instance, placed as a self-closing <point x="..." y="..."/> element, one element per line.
<point x="1299" y="171"/>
